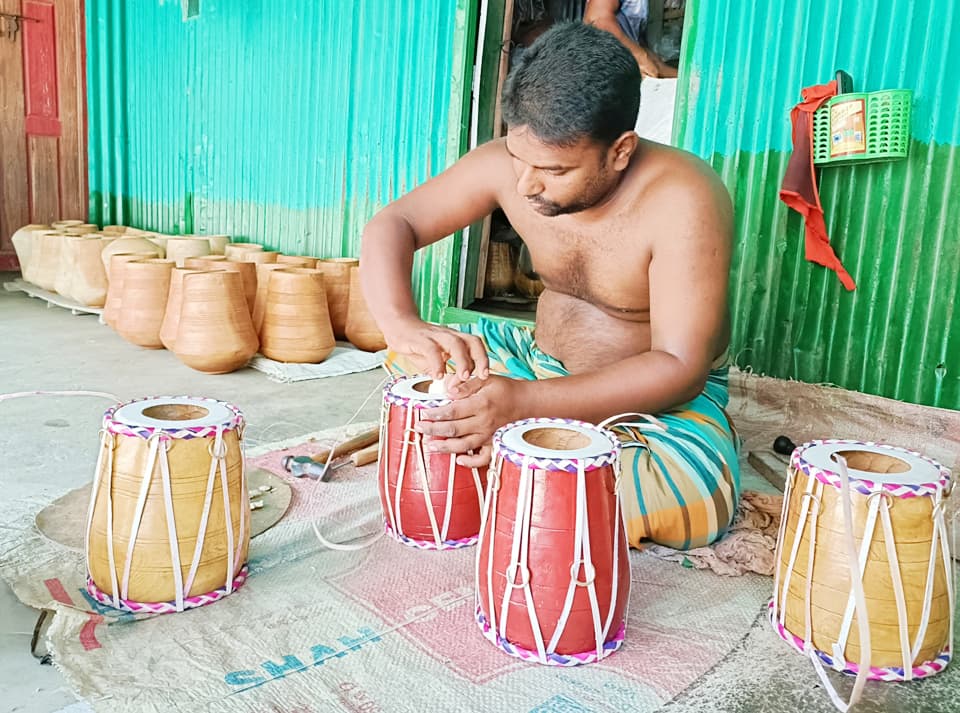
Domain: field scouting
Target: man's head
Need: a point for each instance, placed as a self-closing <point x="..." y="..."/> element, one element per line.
<point x="570" y="104"/>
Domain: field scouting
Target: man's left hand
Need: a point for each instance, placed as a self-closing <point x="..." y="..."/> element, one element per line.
<point x="478" y="408"/>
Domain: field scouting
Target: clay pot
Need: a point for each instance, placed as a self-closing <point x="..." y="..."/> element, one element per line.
<point x="233" y="251"/>
<point x="64" y="276"/>
<point x="179" y="249"/>
<point x="215" y="334"/>
<point x="88" y="279"/>
<point x="217" y="243"/>
<point x="22" y="241"/>
<point x="82" y="229"/>
<point x="146" y="284"/>
<point x="46" y="259"/>
<point x="118" y="263"/>
<point x="136" y="232"/>
<point x="203" y="262"/>
<point x="362" y="330"/>
<point x="259" y="256"/>
<point x="248" y="276"/>
<point x="129" y="245"/>
<point x="60" y="225"/>
<point x="297" y="261"/>
<point x="498" y="279"/>
<point x="296" y="323"/>
<point x="336" y="279"/>
<point x="264" y="270"/>
<point x="171" y="314"/>
<point x="114" y="229"/>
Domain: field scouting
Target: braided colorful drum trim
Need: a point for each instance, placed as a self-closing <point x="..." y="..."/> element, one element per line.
<point x="552" y="659"/>
<point x="924" y="670"/>
<point x="862" y="485"/>
<point x="167" y="607"/>
<point x="398" y="400"/>
<point x="124" y="429"/>
<point x="569" y="465"/>
<point x="430" y="544"/>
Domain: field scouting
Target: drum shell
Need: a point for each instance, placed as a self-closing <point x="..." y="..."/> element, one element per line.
<point x="414" y="519"/>
<point x="550" y="558"/>
<point x="912" y="524"/>
<point x="151" y="568"/>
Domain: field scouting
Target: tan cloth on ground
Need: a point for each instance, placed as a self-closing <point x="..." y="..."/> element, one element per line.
<point x="747" y="547"/>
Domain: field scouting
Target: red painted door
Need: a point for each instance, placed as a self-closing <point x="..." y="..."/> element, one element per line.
<point x="43" y="174"/>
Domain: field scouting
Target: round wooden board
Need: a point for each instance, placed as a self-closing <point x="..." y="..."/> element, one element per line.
<point x="64" y="520"/>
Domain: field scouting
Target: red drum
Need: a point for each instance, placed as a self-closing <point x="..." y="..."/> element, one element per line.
<point x="428" y="501"/>
<point x="553" y="568"/>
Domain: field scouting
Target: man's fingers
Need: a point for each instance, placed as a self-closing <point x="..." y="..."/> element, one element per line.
<point x="432" y="357"/>
<point x="478" y="352"/>
<point x="454" y="344"/>
<point x="480" y="459"/>
<point x="458" y="446"/>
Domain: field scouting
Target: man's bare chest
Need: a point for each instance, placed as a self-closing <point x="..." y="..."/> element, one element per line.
<point x="607" y="269"/>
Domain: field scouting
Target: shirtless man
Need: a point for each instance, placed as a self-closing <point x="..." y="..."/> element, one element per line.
<point x="632" y="241"/>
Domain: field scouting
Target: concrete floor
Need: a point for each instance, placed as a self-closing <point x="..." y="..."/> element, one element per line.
<point x="49" y="446"/>
<point x="50" y="443"/>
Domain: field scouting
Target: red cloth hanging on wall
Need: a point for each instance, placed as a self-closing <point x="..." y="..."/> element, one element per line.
<point x="799" y="187"/>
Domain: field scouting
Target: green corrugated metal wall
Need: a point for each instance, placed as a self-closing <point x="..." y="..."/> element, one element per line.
<point x="895" y="226"/>
<point x="284" y="123"/>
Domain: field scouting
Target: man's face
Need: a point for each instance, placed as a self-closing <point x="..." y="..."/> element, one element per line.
<point x="557" y="180"/>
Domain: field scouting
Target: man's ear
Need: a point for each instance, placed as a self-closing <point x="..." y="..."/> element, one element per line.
<point x="622" y="149"/>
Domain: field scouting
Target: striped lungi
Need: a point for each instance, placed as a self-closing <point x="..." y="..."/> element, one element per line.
<point x="680" y="484"/>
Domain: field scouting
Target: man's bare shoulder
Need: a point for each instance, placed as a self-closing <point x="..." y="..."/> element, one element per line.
<point x="683" y="185"/>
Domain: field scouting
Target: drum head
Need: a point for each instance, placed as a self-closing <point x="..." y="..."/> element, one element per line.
<point x="870" y="465"/>
<point x="556" y="444"/>
<point x="172" y="414"/>
<point x="413" y="391"/>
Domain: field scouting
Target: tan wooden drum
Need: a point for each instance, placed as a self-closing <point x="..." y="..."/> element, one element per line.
<point x="865" y="543"/>
<point x="169" y="522"/>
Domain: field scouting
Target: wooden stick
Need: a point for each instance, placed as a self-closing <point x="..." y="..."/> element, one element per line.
<point x="361" y="440"/>
<point x="365" y="455"/>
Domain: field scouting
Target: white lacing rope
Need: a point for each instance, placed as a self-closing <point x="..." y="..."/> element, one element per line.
<point x="936" y="512"/>
<point x="94" y="491"/>
<point x="811" y="556"/>
<point x="425" y="480"/>
<point x="525" y="557"/>
<point x="171" y="530"/>
<point x="493" y="486"/>
<point x="151" y="464"/>
<point x="652" y="422"/>
<point x="863" y="624"/>
<point x="384" y="462"/>
<point x="408" y="431"/>
<point x="898" y="594"/>
<point x="448" y="507"/>
<point x="949" y="568"/>
<point x="244" y="500"/>
<point x="221" y="448"/>
<point x="589" y="570"/>
<point x="778" y="552"/>
<point x="110" y="558"/>
<point x="574" y="568"/>
<point x="840" y="645"/>
<point x="204" y="518"/>
<point x="617" y="518"/>
<point x="794" y="551"/>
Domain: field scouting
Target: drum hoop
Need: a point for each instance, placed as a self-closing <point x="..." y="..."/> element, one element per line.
<point x="610" y="646"/>
<point x="568" y="465"/>
<point x="198" y="600"/>
<point x="397" y="400"/>
<point x="893" y="673"/>
<point x="865" y="486"/>
<point x="111" y="425"/>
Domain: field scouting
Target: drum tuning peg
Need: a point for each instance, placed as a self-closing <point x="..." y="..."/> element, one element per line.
<point x="784" y="446"/>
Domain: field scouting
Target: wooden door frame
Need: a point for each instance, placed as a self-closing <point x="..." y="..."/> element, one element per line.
<point x="70" y="15"/>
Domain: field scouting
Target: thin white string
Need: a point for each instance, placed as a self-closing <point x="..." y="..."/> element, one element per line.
<point x="171" y="529"/>
<point x="24" y="394"/>
<point x="841" y="643"/>
<point x="491" y="505"/>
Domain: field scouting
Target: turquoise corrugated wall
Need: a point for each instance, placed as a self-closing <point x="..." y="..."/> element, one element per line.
<point x="287" y="123"/>
<point x="895" y="226"/>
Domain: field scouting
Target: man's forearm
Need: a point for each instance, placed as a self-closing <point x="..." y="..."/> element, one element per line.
<point x="386" y="256"/>
<point x="647" y="383"/>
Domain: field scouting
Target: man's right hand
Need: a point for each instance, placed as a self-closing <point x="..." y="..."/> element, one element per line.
<point x="430" y="346"/>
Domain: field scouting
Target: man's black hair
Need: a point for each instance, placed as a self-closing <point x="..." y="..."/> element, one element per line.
<point x="574" y="81"/>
